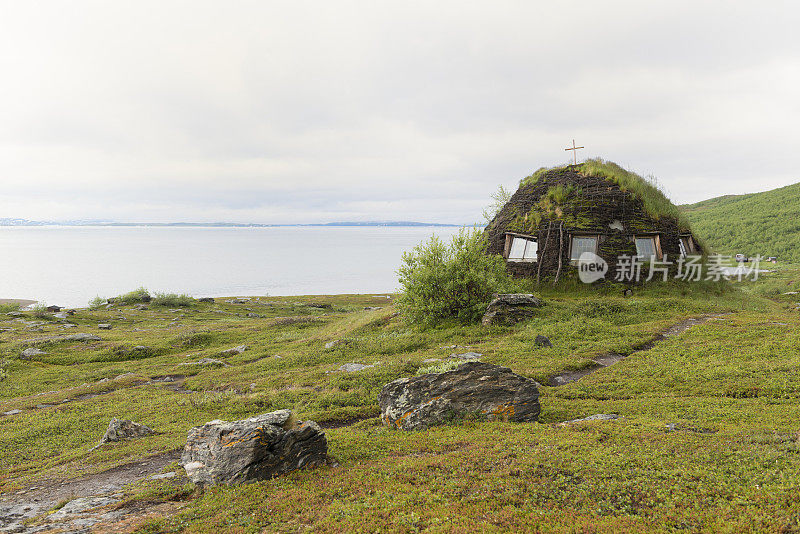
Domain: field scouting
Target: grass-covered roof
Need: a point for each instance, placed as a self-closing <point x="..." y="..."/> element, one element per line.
<point x="655" y="202"/>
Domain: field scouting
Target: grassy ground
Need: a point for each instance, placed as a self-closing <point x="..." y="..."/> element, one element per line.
<point x="707" y="440"/>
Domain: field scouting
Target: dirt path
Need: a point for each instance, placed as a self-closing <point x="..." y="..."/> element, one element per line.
<point x="100" y="491"/>
<point x="607" y="360"/>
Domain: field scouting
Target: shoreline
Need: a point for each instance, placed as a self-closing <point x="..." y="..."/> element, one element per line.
<point x="21" y="302"/>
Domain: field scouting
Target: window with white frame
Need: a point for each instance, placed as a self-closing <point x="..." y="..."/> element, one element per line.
<point x="581" y="244"/>
<point x="646" y="247"/>
<point x="523" y="249"/>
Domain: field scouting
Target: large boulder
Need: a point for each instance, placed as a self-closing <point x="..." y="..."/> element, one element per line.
<point x="258" y="448"/>
<point x="472" y="388"/>
<point x="511" y="308"/>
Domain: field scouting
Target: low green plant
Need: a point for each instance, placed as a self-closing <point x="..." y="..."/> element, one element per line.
<point x="450" y="281"/>
<point x="134" y="297"/>
<point x="441" y="367"/>
<point x="5" y="308"/>
<point x="172" y="300"/>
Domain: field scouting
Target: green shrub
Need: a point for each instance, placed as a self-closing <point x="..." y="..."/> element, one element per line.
<point x="134" y="297"/>
<point x="97" y="303"/>
<point x="457" y="280"/>
<point x="172" y="300"/>
<point x="40" y="311"/>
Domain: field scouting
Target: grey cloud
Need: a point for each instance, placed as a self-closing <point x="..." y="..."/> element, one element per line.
<point x="275" y="111"/>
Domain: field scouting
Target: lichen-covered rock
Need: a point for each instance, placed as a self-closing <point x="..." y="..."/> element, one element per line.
<point x="122" y="429"/>
<point x="511" y="308"/>
<point x="472" y="388"/>
<point x="258" y="448"/>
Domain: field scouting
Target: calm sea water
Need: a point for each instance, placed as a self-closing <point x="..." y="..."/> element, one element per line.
<point x="69" y="266"/>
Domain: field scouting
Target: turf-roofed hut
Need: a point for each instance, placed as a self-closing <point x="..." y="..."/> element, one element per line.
<point x="597" y="206"/>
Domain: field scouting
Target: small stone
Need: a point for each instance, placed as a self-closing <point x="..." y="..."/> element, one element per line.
<point x="595" y="417"/>
<point x="163" y="476"/>
<point x="235" y="350"/>
<point x="12" y="412"/>
<point x="543" y="341"/>
<point x="104" y="326"/>
<point x="124" y="429"/>
<point x="511" y="308"/>
<point x="335" y="342"/>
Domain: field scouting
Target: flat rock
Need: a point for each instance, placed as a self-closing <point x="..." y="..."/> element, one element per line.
<point x="257" y="448"/>
<point x="595" y="417"/>
<point x="472" y="388"/>
<point x="511" y="308"/>
<point x="31" y="352"/>
<point x="206" y="361"/>
<point x="104" y="326"/>
<point x="12" y="412"/>
<point x="206" y="299"/>
<point x="77" y="506"/>
<point x="354" y="367"/>
<point x="335" y="342"/>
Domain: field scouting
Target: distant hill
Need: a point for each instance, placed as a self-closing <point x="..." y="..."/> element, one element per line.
<point x="765" y="223"/>
<point x="26" y="222"/>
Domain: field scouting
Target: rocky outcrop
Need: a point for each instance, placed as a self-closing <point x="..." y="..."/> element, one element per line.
<point x="511" y="308"/>
<point x="471" y="389"/>
<point x="258" y="448"/>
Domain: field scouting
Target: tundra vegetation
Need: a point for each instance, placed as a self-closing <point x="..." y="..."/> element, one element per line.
<point x="707" y="439"/>
<point x="765" y="223"/>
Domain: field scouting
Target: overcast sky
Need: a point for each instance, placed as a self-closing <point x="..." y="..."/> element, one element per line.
<point x="322" y="111"/>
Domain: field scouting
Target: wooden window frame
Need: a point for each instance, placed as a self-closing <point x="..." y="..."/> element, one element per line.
<point x="573" y="236"/>
<point x="510" y="236"/>
<point x="656" y="242"/>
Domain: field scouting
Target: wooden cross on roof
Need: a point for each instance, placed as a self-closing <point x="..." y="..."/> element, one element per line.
<point x="574" y="152"/>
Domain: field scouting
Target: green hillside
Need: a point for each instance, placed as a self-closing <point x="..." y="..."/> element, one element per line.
<point x="765" y="223"/>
